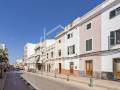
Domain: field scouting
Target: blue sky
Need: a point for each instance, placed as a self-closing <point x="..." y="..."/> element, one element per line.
<point x="22" y="21"/>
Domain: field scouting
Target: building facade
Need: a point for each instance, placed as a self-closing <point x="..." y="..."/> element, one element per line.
<point x="29" y="58"/>
<point x="89" y="46"/>
<point x="99" y="41"/>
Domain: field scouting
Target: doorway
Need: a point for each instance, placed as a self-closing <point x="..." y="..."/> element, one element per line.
<point x="116" y="68"/>
<point x="59" y="68"/>
<point x="71" y="68"/>
<point x="89" y="68"/>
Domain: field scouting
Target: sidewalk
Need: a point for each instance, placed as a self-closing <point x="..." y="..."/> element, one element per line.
<point x="110" y="85"/>
<point x="2" y="81"/>
<point x="113" y="85"/>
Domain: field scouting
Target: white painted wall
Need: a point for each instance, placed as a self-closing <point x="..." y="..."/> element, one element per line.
<point x="109" y="25"/>
<point x="60" y="46"/>
<point x="29" y="49"/>
<point x="75" y="40"/>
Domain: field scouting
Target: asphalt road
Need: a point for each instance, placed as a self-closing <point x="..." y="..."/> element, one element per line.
<point x="14" y="82"/>
<point x="49" y="84"/>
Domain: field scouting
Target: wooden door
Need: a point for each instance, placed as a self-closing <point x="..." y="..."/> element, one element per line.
<point x="71" y="68"/>
<point x="89" y="68"/>
<point x="59" y="68"/>
<point x="116" y="68"/>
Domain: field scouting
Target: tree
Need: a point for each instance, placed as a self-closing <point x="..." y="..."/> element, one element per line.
<point x="3" y="58"/>
<point x="3" y="55"/>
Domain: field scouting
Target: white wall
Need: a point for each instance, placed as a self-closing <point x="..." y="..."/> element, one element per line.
<point x="75" y="40"/>
<point x="29" y="49"/>
<point x="109" y="25"/>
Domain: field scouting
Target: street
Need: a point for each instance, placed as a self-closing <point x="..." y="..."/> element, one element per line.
<point x="14" y="82"/>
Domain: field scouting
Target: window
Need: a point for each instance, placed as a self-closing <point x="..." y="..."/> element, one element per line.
<point x="88" y="26"/>
<point x="51" y="54"/>
<point x="71" y="49"/>
<point x="118" y="11"/>
<point x="89" y="45"/>
<point x="118" y="37"/>
<point x="115" y="37"/>
<point x="69" y="36"/>
<point x="114" y="12"/>
<point x="112" y="38"/>
<point x="59" y="41"/>
<point x="59" y="53"/>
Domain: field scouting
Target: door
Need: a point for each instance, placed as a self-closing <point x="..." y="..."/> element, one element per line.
<point x="59" y="68"/>
<point x="71" y="68"/>
<point x="89" y="68"/>
<point x="39" y="66"/>
<point x="116" y="68"/>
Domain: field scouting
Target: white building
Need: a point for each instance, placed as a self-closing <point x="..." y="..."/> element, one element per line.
<point x="89" y="46"/>
<point x="110" y="39"/>
<point x="19" y="63"/>
<point x="67" y="46"/>
<point x="29" y="51"/>
<point x="2" y="46"/>
<point x="42" y="51"/>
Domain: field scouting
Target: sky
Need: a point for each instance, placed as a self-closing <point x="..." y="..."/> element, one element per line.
<point x="23" y="21"/>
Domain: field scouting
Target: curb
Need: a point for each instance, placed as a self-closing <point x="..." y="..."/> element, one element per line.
<point x="28" y="83"/>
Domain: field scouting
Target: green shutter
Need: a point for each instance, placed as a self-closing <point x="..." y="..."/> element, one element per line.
<point x="112" y="14"/>
<point x="112" y="38"/>
<point x="88" y="45"/>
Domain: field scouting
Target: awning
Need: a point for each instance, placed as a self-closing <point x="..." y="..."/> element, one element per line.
<point x="37" y="59"/>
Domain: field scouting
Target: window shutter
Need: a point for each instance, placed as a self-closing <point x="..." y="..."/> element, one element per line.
<point x="86" y="45"/>
<point x="112" y="14"/>
<point x="90" y="44"/>
<point x="112" y="38"/>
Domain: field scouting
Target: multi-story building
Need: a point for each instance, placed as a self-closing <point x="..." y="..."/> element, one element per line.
<point x="19" y="63"/>
<point x="44" y="52"/>
<point x="110" y="39"/>
<point x="96" y="47"/>
<point x="89" y="46"/>
<point x="99" y="41"/>
<point x="38" y="55"/>
<point x="67" y="47"/>
<point x="29" y="58"/>
<point x="50" y="57"/>
<point x="29" y="49"/>
<point x="60" y="53"/>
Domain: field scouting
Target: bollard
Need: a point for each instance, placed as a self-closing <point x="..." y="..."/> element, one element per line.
<point x="55" y="75"/>
<point x="91" y="81"/>
<point x="68" y="78"/>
